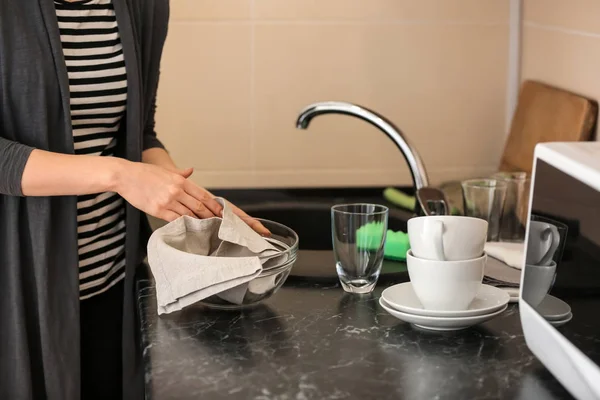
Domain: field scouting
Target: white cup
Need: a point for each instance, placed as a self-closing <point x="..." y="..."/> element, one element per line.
<point x="542" y="243"/>
<point x="538" y="280"/>
<point x="445" y="285"/>
<point x="447" y="238"/>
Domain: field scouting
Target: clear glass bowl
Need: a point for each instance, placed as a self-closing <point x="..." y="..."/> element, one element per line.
<point x="275" y="270"/>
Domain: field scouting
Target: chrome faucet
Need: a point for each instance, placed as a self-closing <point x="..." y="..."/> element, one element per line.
<point x="431" y="201"/>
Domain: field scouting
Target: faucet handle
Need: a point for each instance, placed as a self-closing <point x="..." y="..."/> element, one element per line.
<point x="432" y="201"/>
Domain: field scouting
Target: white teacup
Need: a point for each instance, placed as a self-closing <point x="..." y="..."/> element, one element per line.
<point x="447" y="238"/>
<point x="542" y="243"/>
<point x="538" y="280"/>
<point x="445" y="285"/>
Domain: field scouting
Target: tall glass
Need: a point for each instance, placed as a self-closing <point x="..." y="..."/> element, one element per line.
<point x="484" y="198"/>
<point x="514" y="214"/>
<point x="358" y="235"/>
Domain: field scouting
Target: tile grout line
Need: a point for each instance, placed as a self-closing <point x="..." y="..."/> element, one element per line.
<point x="299" y="170"/>
<point x="513" y="76"/>
<point x="560" y="29"/>
<point x="253" y="162"/>
<point x="339" y="22"/>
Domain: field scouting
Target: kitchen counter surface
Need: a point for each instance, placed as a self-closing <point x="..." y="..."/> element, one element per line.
<point x="313" y="341"/>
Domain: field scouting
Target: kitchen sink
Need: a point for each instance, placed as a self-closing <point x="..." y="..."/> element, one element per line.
<point x="312" y="223"/>
<point x="309" y="216"/>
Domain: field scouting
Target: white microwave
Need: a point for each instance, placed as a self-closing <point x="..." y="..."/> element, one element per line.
<point x="562" y="264"/>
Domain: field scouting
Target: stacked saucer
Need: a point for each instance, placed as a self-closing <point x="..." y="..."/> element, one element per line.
<point x="402" y="302"/>
<point x="555" y="311"/>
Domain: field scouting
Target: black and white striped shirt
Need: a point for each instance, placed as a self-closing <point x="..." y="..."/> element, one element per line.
<point x="98" y="87"/>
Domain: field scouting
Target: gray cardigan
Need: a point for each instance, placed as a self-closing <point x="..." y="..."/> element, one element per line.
<point x="39" y="301"/>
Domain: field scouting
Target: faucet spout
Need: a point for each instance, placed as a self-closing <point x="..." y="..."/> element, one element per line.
<point x="415" y="164"/>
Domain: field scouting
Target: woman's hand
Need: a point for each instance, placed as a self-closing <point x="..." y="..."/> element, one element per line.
<point x="165" y="194"/>
<point x="155" y="186"/>
<point x="252" y="222"/>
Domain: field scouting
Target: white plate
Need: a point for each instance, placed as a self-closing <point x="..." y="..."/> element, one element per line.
<point x="561" y="322"/>
<point x="439" y="323"/>
<point x="553" y="308"/>
<point x="402" y="298"/>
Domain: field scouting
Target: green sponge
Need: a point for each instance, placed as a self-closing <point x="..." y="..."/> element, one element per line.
<point x="403" y="200"/>
<point x="368" y="237"/>
<point x="399" y="198"/>
<point x="396" y="245"/>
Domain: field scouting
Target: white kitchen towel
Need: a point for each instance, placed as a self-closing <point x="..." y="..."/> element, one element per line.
<point x="192" y="259"/>
<point x="509" y="253"/>
<point x="501" y="274"/>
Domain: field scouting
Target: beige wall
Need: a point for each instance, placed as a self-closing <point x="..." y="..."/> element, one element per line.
<point x="561" y="44"/>
<point x="237" y="72"/>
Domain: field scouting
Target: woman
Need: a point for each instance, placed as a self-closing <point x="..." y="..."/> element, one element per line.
<point x="79" y="160"/>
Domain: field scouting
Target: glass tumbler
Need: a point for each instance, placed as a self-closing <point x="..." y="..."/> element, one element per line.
<point x="358" y="236"/>
<point x="514" y="214"/>
<point x="484" y="198"/>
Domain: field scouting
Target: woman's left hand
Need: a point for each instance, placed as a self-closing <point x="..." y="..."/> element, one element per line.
<point x="161" y="158"/>
<point x="252" y="222"/>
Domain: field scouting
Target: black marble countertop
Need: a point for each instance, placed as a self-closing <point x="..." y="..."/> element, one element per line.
<point x="313" y="341"/>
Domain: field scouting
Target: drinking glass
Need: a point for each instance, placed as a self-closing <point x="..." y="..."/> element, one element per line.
<point x="358" y="235"/>
<point x="484" y="198"/>
<point x="514" y="214"/>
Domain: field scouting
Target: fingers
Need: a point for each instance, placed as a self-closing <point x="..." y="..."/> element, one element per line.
<point x="203" y="197"/>
<point x="253" y="223"/>
<point x="168" y="216"/>
<point x="196" y="206"/>
<point x="238" y="211"/>
<point x="257" y="226"/>
<point x="181" y="209"/>
<point x="199" y="197"/>
<point x="186" y="173"/>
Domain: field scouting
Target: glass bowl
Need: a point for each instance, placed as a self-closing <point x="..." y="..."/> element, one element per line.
<point x="275" y="270"/>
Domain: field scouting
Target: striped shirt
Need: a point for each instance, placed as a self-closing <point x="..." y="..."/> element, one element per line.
<point x="98" y="87"/>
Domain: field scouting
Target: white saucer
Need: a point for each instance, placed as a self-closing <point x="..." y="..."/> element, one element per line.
<point x="402" y="298"/>
<point x="512" y="292"/>
<point x="561" y="322"/>
<point x="439" y="323"/>
<point x="553" y="308"/>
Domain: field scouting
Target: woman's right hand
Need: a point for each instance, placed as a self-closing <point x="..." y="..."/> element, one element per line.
<point x="163" y="193"/>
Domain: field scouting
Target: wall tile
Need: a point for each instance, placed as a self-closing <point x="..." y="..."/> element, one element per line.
<point x="580" y="15"/>
<point x="210" y="9"/>
<point x="204" y="109"/>
<point x="568" y="61"/>
<point x="439" y="10"/>
<point x="306" y="177"/>
<point x="444" y="86"/>
<point x="439" y="74"/>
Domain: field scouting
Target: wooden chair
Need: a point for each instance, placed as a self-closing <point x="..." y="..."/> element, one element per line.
<point x="546" y="114"/>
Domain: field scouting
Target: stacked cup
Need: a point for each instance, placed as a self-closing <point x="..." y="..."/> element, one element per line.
<point x="542" y="246"/>
<point x="446" y="266"/>
<point x="446" y="261"/>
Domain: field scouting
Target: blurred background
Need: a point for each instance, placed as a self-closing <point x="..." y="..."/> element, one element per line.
<point x="236" y="73"/>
